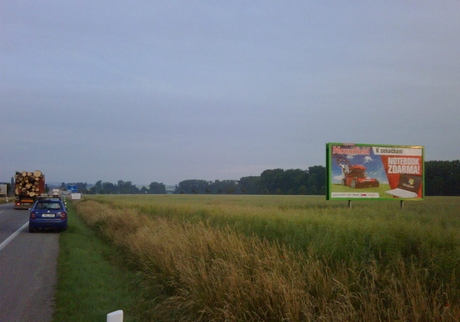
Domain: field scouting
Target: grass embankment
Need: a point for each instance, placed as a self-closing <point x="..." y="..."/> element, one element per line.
<point x="6" y="200"/>
<point x="275" y="258"/>
<point x="92" y="282"/>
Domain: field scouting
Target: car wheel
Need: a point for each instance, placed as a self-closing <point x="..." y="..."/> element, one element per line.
<point x="31" y="230"/>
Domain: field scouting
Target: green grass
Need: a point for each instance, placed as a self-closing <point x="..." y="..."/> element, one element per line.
<point x="426" y="231"/>
<point x="93" y="279"/>
<point x="259" y="258"/>
<point x="371" y="229"/>
<point x="4" y="200"/>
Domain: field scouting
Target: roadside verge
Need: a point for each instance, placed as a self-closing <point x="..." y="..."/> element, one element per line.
<point x="92" y="280"/>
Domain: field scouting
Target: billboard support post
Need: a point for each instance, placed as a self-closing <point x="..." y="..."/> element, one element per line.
<point x="349" y="204"/>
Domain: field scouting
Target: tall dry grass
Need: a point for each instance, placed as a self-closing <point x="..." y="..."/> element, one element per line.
<point x="197" y="270"/>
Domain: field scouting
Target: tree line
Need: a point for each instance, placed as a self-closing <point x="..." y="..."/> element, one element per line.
<point x="120" y="187"/>
<point x="442" y="178"/>
<point x="273" y="181"/>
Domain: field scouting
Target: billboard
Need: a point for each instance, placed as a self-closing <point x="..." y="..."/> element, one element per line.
<point x="374" y="171"/>
<point x="3" y="189"/>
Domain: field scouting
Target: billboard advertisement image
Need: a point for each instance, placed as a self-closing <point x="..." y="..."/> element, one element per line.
<point x="374" y="171"/>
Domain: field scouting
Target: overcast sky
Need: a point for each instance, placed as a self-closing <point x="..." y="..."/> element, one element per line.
<point x="165" y="91"/>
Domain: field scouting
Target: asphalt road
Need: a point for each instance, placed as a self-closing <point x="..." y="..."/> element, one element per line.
<point x="27" y="268"/>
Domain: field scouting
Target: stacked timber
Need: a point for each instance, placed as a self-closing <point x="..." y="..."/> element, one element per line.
<point x="29" y="184"/>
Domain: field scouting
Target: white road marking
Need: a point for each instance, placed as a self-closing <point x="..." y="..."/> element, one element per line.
<point x="13" y="235"/>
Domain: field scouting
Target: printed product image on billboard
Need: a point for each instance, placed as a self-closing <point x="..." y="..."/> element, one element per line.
<point x="365" y="171"/>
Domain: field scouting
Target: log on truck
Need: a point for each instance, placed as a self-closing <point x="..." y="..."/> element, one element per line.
<point x="27" y="187"/>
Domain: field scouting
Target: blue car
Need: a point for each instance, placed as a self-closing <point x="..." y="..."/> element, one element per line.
<point x="48" y="213"/>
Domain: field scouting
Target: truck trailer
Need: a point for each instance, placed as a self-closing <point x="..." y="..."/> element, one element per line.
<point x="27" y="187"/>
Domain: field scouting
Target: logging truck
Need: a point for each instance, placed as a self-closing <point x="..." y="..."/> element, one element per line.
<point x="27" y="187"/>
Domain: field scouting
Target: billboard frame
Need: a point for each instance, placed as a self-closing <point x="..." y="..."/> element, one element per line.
<point x="390" y="166"/>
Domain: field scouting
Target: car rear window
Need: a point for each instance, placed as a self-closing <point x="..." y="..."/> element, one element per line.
<point x="49" y="205"/>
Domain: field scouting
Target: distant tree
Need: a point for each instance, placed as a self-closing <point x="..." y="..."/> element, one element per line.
<point x="442" y="178"/>
<point x="303" y="190"/>
<point x="250" y="185"/>
<point x="194" y="186"/>
<point x="97" y="188"/>
<point x="317" y="174"/>
<point x="223" y="186"/>
<point x="201" y="186"/>
<point x="126" y="187"/>
<point x="108" y="188"/>
<point x="81" y="187"/>
<point x="122" y="187"/>
<point x="294" y="181"/>
<point x="157" y="188"/>
<point x="295" y="178"/>
<point x="272" y="180"/>
<point x="453" y="180"/>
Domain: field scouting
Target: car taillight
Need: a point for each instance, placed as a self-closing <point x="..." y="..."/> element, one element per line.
<point x="63" y="215"/>
<point x="32" y="215"/>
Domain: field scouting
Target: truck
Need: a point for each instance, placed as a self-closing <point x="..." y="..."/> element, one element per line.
<point x="355" y="175"/>
<point x="55" y="193"/>
<point x="28" y="186"/>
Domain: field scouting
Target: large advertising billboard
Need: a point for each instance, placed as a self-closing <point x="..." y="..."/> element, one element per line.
<point x="3" y="189"/>
<point x="374" y="171"/>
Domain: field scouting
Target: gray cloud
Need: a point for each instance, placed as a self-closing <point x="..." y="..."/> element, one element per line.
<point x="167" y="91"/>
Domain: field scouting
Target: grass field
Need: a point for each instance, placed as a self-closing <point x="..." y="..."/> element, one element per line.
<point x="283" y="258"/>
